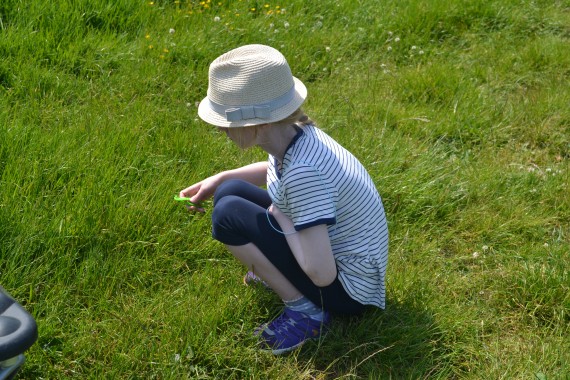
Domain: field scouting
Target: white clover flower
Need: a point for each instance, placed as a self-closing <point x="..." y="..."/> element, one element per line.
<point x="390" y="33"/>
<point x="389" y="48"/>
<point x="328" y="49"/>
<point x="485" y="248"/>
<point x="397" y="39"/>
<point x="414" y="47"/>
<point x="217" y="19"/>
<point x="271" y="26"/>
<point x="476" y="254"/>
<point x="171" y="31"/>
<point x="421" y="52"/>
<point x="286" y="24"/>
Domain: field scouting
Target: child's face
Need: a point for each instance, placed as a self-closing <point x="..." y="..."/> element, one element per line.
<point x="244" y="137"/>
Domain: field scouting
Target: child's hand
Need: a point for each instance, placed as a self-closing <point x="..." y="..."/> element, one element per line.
<point x="199" y="192"/>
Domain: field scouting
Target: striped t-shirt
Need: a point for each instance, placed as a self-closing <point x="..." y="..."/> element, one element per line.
<point x="320" y="182"/>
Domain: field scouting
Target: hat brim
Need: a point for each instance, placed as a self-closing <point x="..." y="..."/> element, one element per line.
<point x="210" y="116"/>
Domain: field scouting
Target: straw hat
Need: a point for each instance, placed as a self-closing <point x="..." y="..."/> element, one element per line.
<point x="251" y="85"/>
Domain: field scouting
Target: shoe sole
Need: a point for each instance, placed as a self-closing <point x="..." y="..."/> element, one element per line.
<point x="282" y="351"/>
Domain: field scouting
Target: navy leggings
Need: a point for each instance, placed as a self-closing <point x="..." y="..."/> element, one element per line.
<point x="240" y="217"/>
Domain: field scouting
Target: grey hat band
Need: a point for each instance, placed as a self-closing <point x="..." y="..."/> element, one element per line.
<point x="257" y="111"/>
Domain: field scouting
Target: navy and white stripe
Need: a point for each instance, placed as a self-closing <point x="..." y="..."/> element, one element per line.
<point x="320" y="182"/>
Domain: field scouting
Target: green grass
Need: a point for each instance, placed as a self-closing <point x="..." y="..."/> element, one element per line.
<point x="459" y="109"/>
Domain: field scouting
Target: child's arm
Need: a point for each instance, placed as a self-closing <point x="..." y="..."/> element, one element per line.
<point x="253" y="173"/>
<point x="311" y="247"/>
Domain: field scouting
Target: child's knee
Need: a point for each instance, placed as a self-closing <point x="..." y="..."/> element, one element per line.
<point x="229" y="187"/>
<point x="228" y="220"/>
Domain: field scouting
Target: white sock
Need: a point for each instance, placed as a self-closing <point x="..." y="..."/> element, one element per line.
<point x="306" y="306"/>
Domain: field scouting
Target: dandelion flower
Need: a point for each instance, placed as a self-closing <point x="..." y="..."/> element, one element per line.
<point x="147" y="36"/>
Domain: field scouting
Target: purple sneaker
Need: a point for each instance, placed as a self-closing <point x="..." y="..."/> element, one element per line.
<point x="290" y="330"/>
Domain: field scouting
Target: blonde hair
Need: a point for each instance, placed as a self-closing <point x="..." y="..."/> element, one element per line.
<point x="298" y="118"/>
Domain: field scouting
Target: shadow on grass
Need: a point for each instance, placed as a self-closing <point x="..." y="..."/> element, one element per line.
<point x="399" y="342"/>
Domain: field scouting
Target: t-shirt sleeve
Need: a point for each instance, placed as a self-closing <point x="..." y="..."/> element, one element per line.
<point x="310" y="198"/>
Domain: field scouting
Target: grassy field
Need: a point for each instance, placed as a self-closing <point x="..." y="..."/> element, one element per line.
<point x="459" y="109"/>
